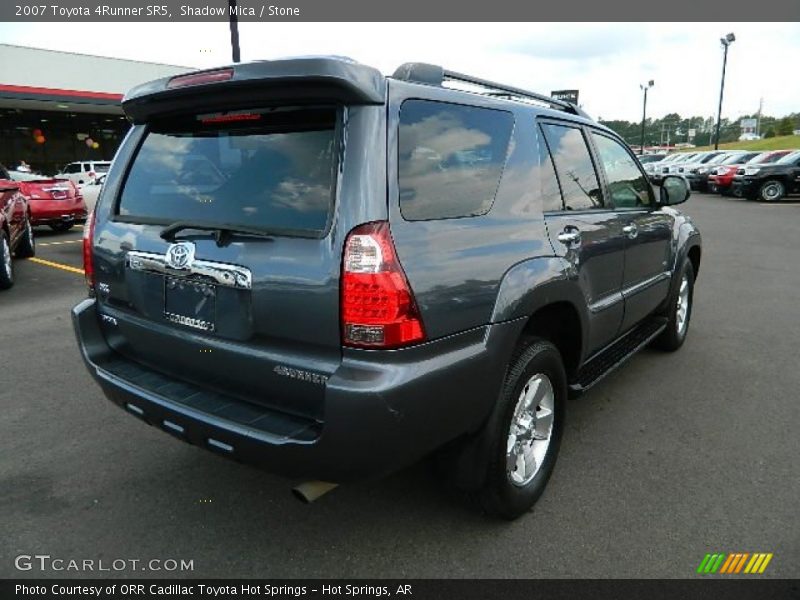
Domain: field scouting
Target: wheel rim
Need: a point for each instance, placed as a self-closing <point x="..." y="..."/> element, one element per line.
<point x="682" y="312"/>
<point x="6" y="258"/>
<point x="30" y="234"/>
<point x="772" y="191"/>
<point x="531" y="430"/>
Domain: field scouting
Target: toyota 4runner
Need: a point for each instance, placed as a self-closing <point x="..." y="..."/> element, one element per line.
<point x="329" y="273"/>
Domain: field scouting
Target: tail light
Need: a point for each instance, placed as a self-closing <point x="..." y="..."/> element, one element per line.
<point x="88" y="261"/>
<point x="378" y="308"/>
<point x="200" y="78"/>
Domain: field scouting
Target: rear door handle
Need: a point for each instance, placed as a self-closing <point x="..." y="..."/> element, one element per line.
<point x="630" y="230"/>
<point x="569" y="236"/>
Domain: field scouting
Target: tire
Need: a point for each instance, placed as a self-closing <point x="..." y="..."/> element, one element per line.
<point x="27" y="245"/>
<point x="6" y="268"/>
<point x="62" y="226"/>
<point x="679" y="312"/>
<point x="511" y="487"/>
<point x="771" y="191"/>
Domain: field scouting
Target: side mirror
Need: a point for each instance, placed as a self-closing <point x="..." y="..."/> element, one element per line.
<point x="674" y="190"/>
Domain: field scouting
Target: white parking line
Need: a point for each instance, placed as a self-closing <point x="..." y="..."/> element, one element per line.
<point x="59" y="243"/>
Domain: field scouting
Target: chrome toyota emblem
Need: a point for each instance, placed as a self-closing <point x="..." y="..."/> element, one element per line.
<point x="180" y="255"/>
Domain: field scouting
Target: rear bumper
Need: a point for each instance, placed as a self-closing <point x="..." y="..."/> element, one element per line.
<point x="383" y="410"/>
<point x="55" y="213"/>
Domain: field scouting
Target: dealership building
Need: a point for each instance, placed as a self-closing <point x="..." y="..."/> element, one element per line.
<point x="60" y="107"/>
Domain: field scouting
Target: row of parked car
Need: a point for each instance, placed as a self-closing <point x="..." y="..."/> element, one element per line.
<point x="30" y="199"/>
<point x="767" y="176"/>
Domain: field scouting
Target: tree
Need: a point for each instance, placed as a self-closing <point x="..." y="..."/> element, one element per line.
<point x="785" y="126"/>
<point x="770" y="133"/>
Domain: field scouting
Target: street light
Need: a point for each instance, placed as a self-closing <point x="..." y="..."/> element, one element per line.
<point x="725" y="41"/>
<point x="234" y="23"/>
<point x="644" y="87"/>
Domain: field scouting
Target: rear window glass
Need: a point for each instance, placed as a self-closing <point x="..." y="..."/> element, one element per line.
<point x="271" y="169"/>
<point x="451" y="158"/>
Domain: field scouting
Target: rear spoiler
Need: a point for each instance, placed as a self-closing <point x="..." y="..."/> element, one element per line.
<point x="261" y="83"/>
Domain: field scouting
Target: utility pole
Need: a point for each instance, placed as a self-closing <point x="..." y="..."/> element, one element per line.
<point x="233" y="17"/>
<point x="726" y="42"/>
<point x="644" y="87"/>
<point x="758" y="117"/>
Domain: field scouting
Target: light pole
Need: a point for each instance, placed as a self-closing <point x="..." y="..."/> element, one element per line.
<point x="644" y="87"/>
<point x="726" y="41"/>
<point x="234" y="23"/>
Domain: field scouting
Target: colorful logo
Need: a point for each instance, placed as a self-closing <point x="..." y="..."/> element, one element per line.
<point x="735" y="563"/>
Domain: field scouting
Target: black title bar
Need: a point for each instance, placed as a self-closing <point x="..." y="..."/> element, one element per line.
<point x="461" y="589"/>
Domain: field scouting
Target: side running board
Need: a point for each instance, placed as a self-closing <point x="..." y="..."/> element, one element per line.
<point x="617" y="354"/>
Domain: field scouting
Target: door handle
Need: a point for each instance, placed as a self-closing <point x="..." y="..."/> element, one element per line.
<point x="570" y="236"/>
<point x="631" y="230"/>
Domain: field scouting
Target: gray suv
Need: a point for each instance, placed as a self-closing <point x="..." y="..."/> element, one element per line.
<point x="310" y="267"/>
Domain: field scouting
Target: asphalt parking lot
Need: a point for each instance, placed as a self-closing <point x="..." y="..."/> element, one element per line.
<point x="673" y="456"/>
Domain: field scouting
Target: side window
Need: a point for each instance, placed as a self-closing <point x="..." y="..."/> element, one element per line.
<point x="72" y="168"/>
<point x="579" y="184"/>
<point x="549" y="188"/>
<point x="451" y="158"/>
<point x="627" y="186"/>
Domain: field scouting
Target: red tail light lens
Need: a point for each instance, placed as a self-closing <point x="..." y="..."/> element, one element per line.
<point x="378" y="308"/>
<point x="88" y="261"/>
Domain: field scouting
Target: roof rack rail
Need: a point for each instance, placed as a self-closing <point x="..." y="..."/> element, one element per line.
<point x="436" y="75"/>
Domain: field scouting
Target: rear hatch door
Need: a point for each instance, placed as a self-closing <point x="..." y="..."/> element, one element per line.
<point x="214" y="260"/>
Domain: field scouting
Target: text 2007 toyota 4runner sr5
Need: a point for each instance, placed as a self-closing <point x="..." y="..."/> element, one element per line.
<point x="329" y="273"/>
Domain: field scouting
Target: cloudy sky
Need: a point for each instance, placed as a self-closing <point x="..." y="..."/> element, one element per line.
<point x="606" y="62"/>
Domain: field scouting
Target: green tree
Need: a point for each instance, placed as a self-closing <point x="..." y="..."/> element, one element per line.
<point x="785" y="126"/>
<point x="770" y="133"/>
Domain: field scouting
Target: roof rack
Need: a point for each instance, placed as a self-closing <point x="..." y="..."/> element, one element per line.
<point x="436" y="75"/>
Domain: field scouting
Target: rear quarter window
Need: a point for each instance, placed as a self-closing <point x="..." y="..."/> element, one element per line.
<point x="451" y="158"/>
<point x="273" y="169"/>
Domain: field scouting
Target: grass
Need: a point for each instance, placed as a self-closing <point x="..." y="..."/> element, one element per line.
<point x="783" y="142"/>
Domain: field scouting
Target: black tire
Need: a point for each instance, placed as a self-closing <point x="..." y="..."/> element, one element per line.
<point x="26" y="248"/>
<point x="6" y="267"/>
<point x="771" y="191"/>
<point x="499" y="496"/>
<point x="62" y="226"/>
<point x="673" y="336"/>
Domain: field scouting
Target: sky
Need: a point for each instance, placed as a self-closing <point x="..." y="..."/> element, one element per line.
<point x="607" y="62"/>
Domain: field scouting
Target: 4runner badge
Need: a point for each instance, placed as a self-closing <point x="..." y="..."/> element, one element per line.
<point x="180" y="255"/>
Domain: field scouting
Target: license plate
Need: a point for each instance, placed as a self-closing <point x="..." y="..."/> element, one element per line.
<point x="190" y="303"/>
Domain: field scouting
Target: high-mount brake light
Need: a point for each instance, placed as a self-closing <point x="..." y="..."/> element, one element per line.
<point x="229" y="118"/>
<point x="200" y="78"/>
<point x="88" y="260"/>
<point x="378" y="309"/>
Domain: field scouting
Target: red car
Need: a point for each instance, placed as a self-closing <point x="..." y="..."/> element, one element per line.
<point x="16" y="233"/>
<point x="54" y="202"/>
<point x="721" y="179"/>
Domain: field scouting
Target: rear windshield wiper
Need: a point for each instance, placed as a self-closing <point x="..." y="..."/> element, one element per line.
<point x="222" y="232"/>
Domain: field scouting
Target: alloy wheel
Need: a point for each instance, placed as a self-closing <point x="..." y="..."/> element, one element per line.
<point x="682" y="312"/>
<point x="531" y="430"/>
